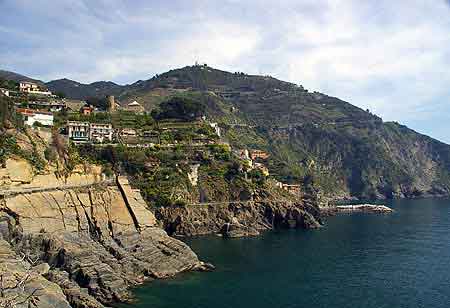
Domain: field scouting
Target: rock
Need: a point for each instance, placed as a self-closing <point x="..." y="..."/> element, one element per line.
<point x="237" y="230"/>
<point x="193" y="175"/>
<point x="24" y="285"/>
<point x="367" y="208"/>
<point x="42" y="268"/>
<point x="204" y="267"/>
<point x="238" y="219"/>
<point x="78" y="297"/>
<point x="93" y="243"/>
<point x="138" y="208"/>
<point x="19" y="171"/>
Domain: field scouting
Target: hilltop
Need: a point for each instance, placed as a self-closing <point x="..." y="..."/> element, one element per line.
<point x="76" y="90"/>
<point x="7" y="75"/>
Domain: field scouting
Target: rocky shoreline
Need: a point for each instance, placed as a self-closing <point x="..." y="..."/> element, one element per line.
<point x="238" y="219"/>
<point x="80" y="247"/>
<point x="84" y="241"/>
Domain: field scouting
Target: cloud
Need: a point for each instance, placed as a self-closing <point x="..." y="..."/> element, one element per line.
<point x="388" y="56"/>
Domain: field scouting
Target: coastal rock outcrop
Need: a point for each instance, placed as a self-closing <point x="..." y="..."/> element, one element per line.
<point x="89" y="240"/>
<point x="235" y="219"/>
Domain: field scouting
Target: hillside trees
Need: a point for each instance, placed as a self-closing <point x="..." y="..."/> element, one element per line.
<point x="181" y="108"/>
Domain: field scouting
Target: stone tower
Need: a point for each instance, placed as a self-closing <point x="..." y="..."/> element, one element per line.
<point x="111" y="104"/>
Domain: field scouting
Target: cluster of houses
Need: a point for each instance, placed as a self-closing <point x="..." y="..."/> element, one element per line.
<point x="42" y="110"/>
<point x="254" y="159"/>
<point x="28" y="87"/>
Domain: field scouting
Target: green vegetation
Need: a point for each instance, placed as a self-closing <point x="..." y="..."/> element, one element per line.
<point x="95" y="117"/>
<point x="8" y="147"/>
<point x="99" y="102"/>
<point x="9" y="84"/>
<point x="181" y="108"/>
<point x="122" y="119"/>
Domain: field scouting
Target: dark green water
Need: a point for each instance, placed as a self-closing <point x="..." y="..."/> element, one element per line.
<point x="361" y="260"/>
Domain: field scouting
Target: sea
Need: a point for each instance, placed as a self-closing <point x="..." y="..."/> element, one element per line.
<point x="399" y="260"/>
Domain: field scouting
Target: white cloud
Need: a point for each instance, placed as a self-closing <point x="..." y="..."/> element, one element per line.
<point x="388" y="56"/>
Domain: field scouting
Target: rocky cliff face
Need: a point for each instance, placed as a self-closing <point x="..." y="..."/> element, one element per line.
<point x="244" y="218"/>
<point x="80" y="245"/>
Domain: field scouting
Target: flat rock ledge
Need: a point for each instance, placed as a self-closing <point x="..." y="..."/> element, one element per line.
<point x="366" y="208"/>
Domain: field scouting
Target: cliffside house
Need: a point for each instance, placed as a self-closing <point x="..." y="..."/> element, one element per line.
<point x="32" y="88"/>
<point x="134" y="107"/>
<point x="78" y="131"/>
<point x="31" y="116"/>
<point x="4" y="91"/>
<point x="86" y="110"/>
<point x="100" y="132"/>
<point x="259" y="154"/>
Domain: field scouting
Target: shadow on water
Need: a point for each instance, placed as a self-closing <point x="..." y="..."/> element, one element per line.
<point x="357" y="260"/>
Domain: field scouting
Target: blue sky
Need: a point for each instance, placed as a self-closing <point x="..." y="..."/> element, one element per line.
<point x="392" y="57"/>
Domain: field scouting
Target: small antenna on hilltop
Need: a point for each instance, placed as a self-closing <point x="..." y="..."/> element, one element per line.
<point x="196" y="57"/>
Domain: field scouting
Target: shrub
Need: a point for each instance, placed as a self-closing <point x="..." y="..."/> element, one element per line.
<point x="50" y="154"/>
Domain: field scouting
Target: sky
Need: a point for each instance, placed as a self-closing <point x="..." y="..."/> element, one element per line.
<point x="391" y="57"/>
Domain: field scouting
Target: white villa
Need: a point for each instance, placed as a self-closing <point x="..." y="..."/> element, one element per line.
<point x="31" y="116"/>
<point x="83" y="131"/>
<point x="32" y="88"/>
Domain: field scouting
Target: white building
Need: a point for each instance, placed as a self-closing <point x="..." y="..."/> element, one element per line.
<point x="31" y="116"/>
<point x="81" y="132"/>
<point x="100" y="132"/>
<point x="78" y="131"/>
<point x="216" y="128"/>
<point x="32" y="88"/>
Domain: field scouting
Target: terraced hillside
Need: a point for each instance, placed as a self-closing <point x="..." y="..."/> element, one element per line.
<point x="345" y="150"/>
<point x="311" y="136"/>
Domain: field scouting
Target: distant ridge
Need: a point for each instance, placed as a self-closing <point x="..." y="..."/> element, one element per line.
<point x="76" y="90"/>
<point x="17" y="77"/>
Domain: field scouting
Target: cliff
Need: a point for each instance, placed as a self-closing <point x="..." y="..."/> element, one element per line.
<point x="241" y="218"/>
<point x="81" y="241"/>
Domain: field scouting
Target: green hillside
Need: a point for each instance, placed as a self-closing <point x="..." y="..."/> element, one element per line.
<point x="345" y="150"/>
